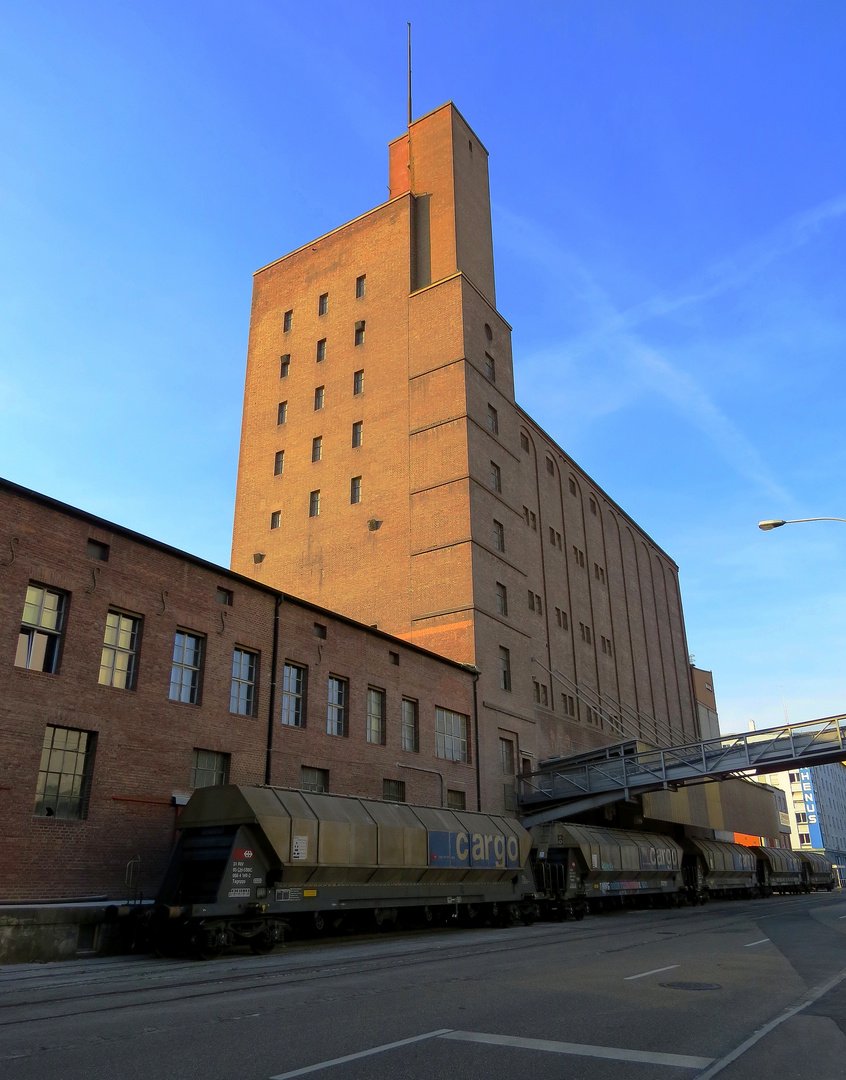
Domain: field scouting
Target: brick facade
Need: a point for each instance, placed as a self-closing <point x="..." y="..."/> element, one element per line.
<point x="462" y="494"/>
<point x="144" y="742"/>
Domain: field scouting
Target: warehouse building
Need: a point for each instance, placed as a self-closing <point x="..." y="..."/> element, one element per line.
<point x="132" y="673"/>
<point x="388" y="473"/>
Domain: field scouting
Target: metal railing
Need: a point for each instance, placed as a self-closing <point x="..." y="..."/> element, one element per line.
<point x="585" y="784"/>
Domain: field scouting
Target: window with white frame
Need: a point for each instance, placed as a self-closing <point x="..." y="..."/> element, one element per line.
<point x="242" y="690"/>
<point x="410" y="726"/>
<point x="120" y="650"/>
<point x="293" y="695"/>
<point x="42" y="623"/>
<point x="375" y="716"/>
<point x="336" y="715"/>
<point x="450" y="735"/>
<point x="186" y="667"/>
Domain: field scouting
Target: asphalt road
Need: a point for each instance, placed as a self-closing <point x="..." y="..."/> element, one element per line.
<point x="748" y="990"/>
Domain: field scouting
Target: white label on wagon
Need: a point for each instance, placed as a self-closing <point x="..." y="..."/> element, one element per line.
<point x="299" y="848"/>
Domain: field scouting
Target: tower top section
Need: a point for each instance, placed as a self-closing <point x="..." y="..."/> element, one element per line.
<point x="441" y="162"/>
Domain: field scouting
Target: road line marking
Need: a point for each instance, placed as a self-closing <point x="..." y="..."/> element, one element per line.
<point x="760" y="941"/>
<point x="612" y="1053"/>
<point x="361" y="1054"/>
<point x="654" y="971"/>
<point x="733" y="1055"/>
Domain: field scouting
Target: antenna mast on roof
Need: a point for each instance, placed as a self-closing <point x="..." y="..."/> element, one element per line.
<point x="409" y="74"/>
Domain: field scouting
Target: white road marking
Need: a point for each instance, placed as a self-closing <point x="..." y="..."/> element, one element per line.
<point x="611" y="1053"/>
<point x="733" y="1055"/>
<point x="760" y="941"/>
<point x="361" y="1054"/>
<point x="654" y="971"/>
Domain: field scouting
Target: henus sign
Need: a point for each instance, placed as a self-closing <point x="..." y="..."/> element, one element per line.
<point x="810" y="798"/>
<point x="483" y="850"/>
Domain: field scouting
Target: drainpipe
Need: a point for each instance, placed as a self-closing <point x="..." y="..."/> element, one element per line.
<point x="434" y="772"/>
<point x="271" y="707"/>
<point x="474" y="671"/>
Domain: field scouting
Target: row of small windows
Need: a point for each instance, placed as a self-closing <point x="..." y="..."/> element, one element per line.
<point x="323" y="303"/>
<point x="42" y="629"/>
<point x="320" y="353"/>
<point x="317" y="448"/>
<point x="317" y="781"/>
<point x="320" y="397"/>
<point x="450" y="727"/>
<point x="314" y="502"/>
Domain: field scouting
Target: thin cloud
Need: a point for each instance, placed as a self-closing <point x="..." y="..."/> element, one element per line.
<point x="615" y="337"/>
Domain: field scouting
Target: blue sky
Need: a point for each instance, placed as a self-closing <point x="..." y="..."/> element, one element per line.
<point x="669" y="198"/>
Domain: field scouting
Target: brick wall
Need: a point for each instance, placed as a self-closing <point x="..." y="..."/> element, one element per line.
<point x="144" y="741"/>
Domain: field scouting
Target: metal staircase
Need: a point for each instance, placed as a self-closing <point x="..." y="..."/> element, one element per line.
<point x="572" y="785"/>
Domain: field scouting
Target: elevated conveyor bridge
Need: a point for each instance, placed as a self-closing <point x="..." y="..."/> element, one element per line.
<point x="571" y="785"/>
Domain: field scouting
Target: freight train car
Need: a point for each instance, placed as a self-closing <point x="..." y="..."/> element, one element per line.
<point x="253" y="863"/>
<point x="778" y="871"/>
<point x="817" y="871"/>
<point x="580" y="865"/>
<point x="715" y="868"/>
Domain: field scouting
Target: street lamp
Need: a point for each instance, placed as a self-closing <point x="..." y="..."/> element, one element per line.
<point x="767" y="525"/>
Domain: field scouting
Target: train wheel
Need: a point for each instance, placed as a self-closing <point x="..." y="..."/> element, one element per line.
<point x="428" y="916"/>
<point x="319" y="922"/>
<point x="262" y="944"/>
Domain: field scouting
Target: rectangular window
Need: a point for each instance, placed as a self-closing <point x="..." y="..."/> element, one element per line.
<point x="572" y="485"/>
<point x="410" y="726"/>
<point x="282" y="412"/>
<point x="318" y="397"/>
<point x="496" y="477"/>
<point x="524" y="441"/>
<point x="536" y="691"/>
<point x="558" y="615"/>
<point x="551" y="535"/>
<point x="209" y="769"/>
<point x="356" y="433"/>
<point x="316" y="780"/>
<point x="293" y="695"/>
<point x="526" y="514"/>
<point x="506" y="757"/>
<point x="606" y="645"/>
<point x="120" y="651"/>
<point x="504" y="668"/>
<point x="450" y="735"/>
<point x="493" y="420"/>
<point x="501" y="599"/>
<point x="64" y="775"/>
<point x="287" y="320"/>
<point x="578" y="556"/>
<point x="185" y="670"/>
<point x="456" y="800"/>
<point x="393" y="657"/>
<point x="336" y="714"/>
<point x="319" y="631"/>
<point x="531" y="600"/>
<point x="314" y="503"/>
<point x="490" y="367"/>
<point x="42" y="623"/>
<point x="242" y="690"/>
<point x="558" y="540"/>
<point x="276" y="519"/>
<point x="94" y="549"/>
<point x="359" y="332"/>
<point x="321" y="351"/>
<point x="355" y="489"/>
<point x="360" y="286"/>
<point x="593" y="506"/>
<point x="585" y="632"/>
<point x="568" y="705"/>
<point x="375" y="716"/>
<point x="544" y="695"/>
<point x="550" y="466"/>
<point x="358" y="382"/>
<point x="533" y="521"/>
<point x="317" y="448"/>
<point x="538" y="604"/>
<point x="323" y="303"/>
<point x="284" y="365"/>
<point x="498" y="536"/>
<point x="393" y="790"/>
<point x="224" y="596"/>
<point x="279" y="463"/>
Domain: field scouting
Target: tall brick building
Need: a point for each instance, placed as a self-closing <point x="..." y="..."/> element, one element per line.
<point x="387" y="472"/>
